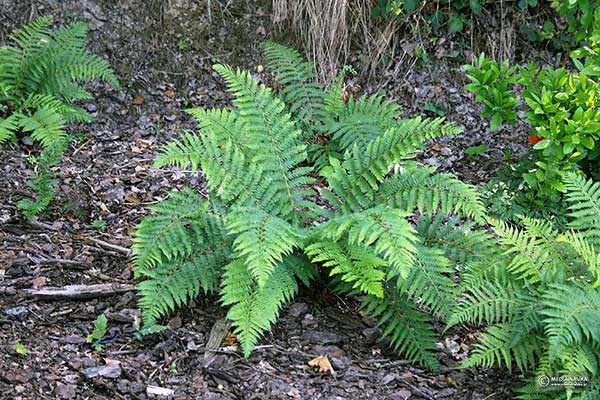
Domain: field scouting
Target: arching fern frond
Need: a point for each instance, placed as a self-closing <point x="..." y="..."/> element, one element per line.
<point x="261" y="241"/>
<point x="177" y="282"/>
<point x="429" y="283"/>
<point x="387" y="230"/>
<point x="572" y="316"/>
<point x="494" y="349"/>
<point x="182" y="153"/>
<point x="166" y="234"/>
<point x="460" y="242"/>
<point x="489" y="302"/>
<point x="357" y="179"/>
<point x="584" y="197"/>
<point x="279" y="149"/>
<point x="409" y="330"/>
<point x="428" y="192"/>
<point x="255" y="309"/>
<point x="355" y="265"/>
<point x="360" y="121"/>
<point x="528" y="256"/>
<point x="301" y="91"/>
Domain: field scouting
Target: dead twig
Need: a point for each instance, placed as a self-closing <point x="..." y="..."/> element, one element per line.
<point x="78" y="292"/>
<point x="106" y="245"/>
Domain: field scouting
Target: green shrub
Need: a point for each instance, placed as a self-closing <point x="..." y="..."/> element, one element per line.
<point x="587" y="57"/>
<point x="561" y="108"/>
<point x="541" y="299"/>
<point x="40" y="79"/>
<point x="451" y="14"/>
<point x="493" y="86"/>
<point x="583" y="16"/>
<point x="271" y="217"/>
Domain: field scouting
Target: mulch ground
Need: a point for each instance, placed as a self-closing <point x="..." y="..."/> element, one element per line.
<point x="162" y="53"/>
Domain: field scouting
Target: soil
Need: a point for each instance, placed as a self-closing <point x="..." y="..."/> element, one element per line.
<point x="162" y="52"/>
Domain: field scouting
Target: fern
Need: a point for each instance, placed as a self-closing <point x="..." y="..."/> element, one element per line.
<point x="572" y="317"/>
<point x="275" y="229"/>
<point x="39" y="84"/>
<point x="261" y="241"/>
<point x="165" y="235"/>
<point x="255" y="308"/>
<point x="409" y="329"/>
<point x="300" y="91"/>
<point x="584" y="197"/>
<point x="542" y="300"/>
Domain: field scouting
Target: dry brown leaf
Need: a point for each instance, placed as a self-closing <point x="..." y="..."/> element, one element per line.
<point x="131" y="198"/>
<point x="436" y="147"/>
<point x="322" y="362"/>
<point x="138" y="100"/>
<point x="230" y="339"/>
<point x="169" y="93"/>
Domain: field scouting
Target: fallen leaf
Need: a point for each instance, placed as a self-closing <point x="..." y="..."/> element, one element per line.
<point x="436" y="147"/>
<point x="169" y="93"/>
<point x="230" y="339"/>
<point x="131" y="198"/>
<point x="138" y="100"/>
<point x="323" y="363"/>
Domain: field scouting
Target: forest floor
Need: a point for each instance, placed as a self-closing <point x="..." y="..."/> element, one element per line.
<point x="163" y="57"/>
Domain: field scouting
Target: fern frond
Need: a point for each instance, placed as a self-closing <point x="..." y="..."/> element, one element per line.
<point x="489" y="302"/>
<point x="585" y="253"/>
<point x="458" y="240"/>
<point x="174" y="284"/>
<point x="584" y="197"/>
<point x="409" y="330"/>
<point x="262" y="241"/>
<point x="429" y="283"/>
<point x="528" y="254"/>
<point x="8" y="127"/>
<point x="494" y="349"/>
<point x="356" y="265"/>
<point x="360" y="121"/>
<point x="387" y="230"/>
<point x="301" y="91"/>
<point x="572" y="316"/>
<point x="181" y="153"/>
<point x="357" y="179"/>
<point x="419" y="188"/>
<point x="165" y="236"/>
<point x="254" y="309"/>
<point x="280" y="150"/>
<point x="46" y="126"/>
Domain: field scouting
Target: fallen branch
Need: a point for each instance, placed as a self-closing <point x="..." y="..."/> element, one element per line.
<point x="78" y="292"/>
<point x="106" y="245"/>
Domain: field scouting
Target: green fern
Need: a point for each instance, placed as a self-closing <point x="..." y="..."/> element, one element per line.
<point x="541" y="298"/>
<point x="409" y="330"/>
<point x="300" y="90"/>
<point x="40" y="81"/>
<point x="275" y="229"/>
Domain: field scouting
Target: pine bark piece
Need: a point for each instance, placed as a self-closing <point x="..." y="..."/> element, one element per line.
<point x="217" y="334"/>
<point x="78" y="292"/>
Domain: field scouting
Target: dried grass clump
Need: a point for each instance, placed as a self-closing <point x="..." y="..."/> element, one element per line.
<point x="328" y="28"/>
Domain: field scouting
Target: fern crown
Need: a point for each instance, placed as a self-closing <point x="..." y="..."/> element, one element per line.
<point x="297" y="181"/>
